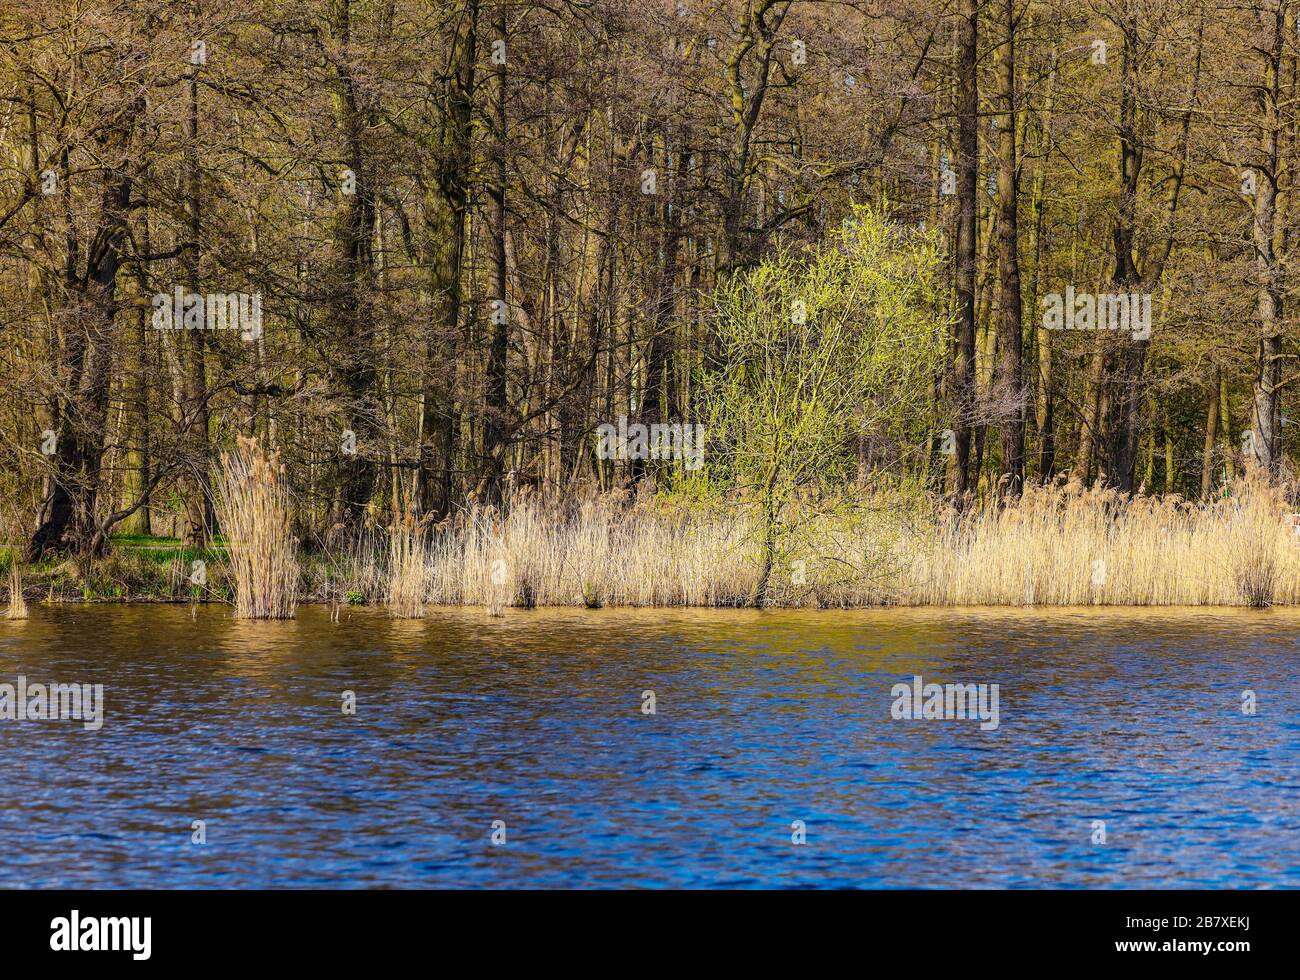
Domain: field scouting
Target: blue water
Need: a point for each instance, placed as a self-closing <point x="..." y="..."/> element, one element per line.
<point x="535" y="719"/>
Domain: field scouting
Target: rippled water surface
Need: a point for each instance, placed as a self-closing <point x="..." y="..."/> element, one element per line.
<point x="762" y="719"/>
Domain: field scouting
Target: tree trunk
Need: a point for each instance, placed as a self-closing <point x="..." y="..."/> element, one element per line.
<point x="1010" y="384"/>
<point x="1211" y="437"/>
<point x="1266" y="411"/>
<point x="963" y="369"/>
<point x="195" y="422"/>
<point x="449" y="212"/>
<point x="1045" y="405"/>
<point x="496" y="430"/>
<point x="1082" y="470"/>
<point x="354" y="298"/>
<point x="88" y="367"/>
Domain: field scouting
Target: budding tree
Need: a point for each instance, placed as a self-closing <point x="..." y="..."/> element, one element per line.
<point x="817" y="351"/>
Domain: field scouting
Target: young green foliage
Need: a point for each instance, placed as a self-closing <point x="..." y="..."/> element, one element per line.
<point x="823" y="354"/>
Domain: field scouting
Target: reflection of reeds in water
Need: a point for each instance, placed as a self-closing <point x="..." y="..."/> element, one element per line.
<point x="408" y="563"/>
<point x="261" y="647"/>
<point x="17" y="604"/>
<point x="254" y="511"/>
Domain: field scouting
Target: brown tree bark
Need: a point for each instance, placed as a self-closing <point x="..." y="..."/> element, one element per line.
<point x="356" y="364"/>
<point x="448" y="213"/>
<point x="1211" y="436"/>
<point x="195" y="422"/>
<point x="963" y="367"/>
<point x="1266" y="409"/>
<point x="496" y="427"/>
<point x="87" y="365"/>
<point x="1010" y="373"/>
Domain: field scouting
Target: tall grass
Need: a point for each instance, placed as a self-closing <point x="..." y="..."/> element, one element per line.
<point x="1057" y="547"/>
<point x="12" y="527"/>
<point x="349" y="569"/>
<point x="1054" y="547"/>
<point x="408" y="564"/>
<point x="17" y="604"/>
<point x="254" y="510"/>
<point x="598" y="552"/>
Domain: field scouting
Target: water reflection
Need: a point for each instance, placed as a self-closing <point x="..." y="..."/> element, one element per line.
<point x="534" y="718"/>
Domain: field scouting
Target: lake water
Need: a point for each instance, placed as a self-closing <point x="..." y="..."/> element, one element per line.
<point x="535" y="719"/>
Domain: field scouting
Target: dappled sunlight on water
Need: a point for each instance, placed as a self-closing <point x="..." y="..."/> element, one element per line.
<point x="534" y="718"/>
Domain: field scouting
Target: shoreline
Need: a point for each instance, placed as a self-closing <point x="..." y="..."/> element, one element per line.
<point x="379" y="609"/>
<point x="1051" y="548"/>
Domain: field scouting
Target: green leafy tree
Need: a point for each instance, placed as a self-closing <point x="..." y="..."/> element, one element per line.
<point x="821" y="352"/>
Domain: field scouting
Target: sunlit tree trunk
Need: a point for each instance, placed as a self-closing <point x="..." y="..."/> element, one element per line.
<point x="963" y="370"/>
<point x="1265" y="449"/>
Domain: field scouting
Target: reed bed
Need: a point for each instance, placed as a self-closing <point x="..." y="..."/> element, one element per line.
<point x="1061" y="548"/>
<point x="408" y="565"/>
<point x="599" y="553"/>
<point x="1053" y="547"/>
<point x="12" y="527"/>
<point x="254" y="510"/>
<point x="348" y="571"/>
<point x="17" y="608"/>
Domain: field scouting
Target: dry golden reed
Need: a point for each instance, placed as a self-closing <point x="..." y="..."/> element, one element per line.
<point x="17" y="604"/>
<point x="1053" y="547"/>
<point x="254" y="510"/>
<point x="602" y="552"/>
<point x="11" y="529"/>
<point x="1061" y="548"/>
<point x="408" y="564"/>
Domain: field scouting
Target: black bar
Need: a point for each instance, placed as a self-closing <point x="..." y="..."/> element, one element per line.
<point x="926" y="930"/>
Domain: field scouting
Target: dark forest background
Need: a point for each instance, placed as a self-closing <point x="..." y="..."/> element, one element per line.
<point x="480" y="230"/>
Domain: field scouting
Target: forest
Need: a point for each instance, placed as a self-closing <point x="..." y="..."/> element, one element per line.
<point x="660" y="302"/>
